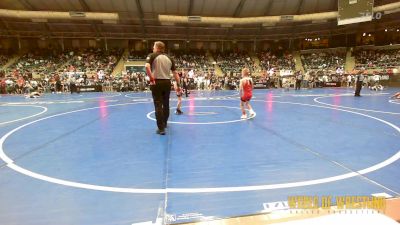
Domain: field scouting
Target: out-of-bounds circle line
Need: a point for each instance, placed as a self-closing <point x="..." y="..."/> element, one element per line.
<point x="2" y="139"/>
<point x="105" y="96"/>
<point x="346" y="107"/>
<point x="218" y="96"/>
<point x="137" y="97"/>
<point x="204" y="123"/>
<point x="27" y="117"/>
<point x="202" y="113"/>
<point x="375" y="167"/>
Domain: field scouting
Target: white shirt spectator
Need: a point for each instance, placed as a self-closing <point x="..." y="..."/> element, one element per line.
<point x="307" y="76"/>
<point x="325" y="78"/>
<point x="9" y="82"/>
<point x="191" y="74"/>
<point x="339" y="70"/>
<point x="100" y="74"/>
<point x="349" y="78"/>
<point x="34" y="83"/>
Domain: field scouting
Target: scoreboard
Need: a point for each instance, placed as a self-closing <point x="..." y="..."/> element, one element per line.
<point x="354" y="11"/>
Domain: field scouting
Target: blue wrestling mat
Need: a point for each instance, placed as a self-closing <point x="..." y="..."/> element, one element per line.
<point x="94" y="158"/>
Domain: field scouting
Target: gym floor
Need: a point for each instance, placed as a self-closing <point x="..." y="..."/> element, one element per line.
<point x="94" y="158"/>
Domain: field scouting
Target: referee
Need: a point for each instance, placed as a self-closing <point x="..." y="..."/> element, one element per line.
<point x="359" y="82"/>
<point x="158" y="67"/>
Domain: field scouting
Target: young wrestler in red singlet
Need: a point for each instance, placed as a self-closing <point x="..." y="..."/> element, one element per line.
<point x="246" y="92"/>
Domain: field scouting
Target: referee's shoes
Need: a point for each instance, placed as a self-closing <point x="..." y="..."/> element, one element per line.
<point x="160" y="132"/>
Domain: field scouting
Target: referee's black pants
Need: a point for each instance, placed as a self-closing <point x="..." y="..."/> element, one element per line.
<point x="298" y="84"/>
<point x="160" y="92"/>
<point x="358" y="88"/>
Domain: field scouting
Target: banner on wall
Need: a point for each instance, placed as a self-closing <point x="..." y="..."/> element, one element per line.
<point x="260" y="85"/>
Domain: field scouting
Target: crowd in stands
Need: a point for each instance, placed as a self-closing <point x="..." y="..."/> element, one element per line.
<point x="324" y="61"/>
<point x="193" y="60"/>
<point x="137" y="55"/>
<point x="39" y="62"/>
<point x="233" y="62"/>
<point x="50" y="71"/>
<point x="373" y="59"/>
<point x="61" y="84"/>
<point x="277" y="60"/>
<point x="314" y="80"/>
<point x="139" y="82"/>
<point x="91" y="61"/>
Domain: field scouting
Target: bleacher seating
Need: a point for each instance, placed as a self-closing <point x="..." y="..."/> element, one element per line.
<point x="373" y="59"/>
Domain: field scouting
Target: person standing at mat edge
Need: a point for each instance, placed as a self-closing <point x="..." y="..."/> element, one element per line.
<point x="158" y="67"/>
<point x="246" y="93"/>
<point x="179" y="94"/>
<point x="359" y="82"/>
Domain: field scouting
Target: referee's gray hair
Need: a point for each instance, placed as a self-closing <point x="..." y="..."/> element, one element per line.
<point x="160" y="46"/>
